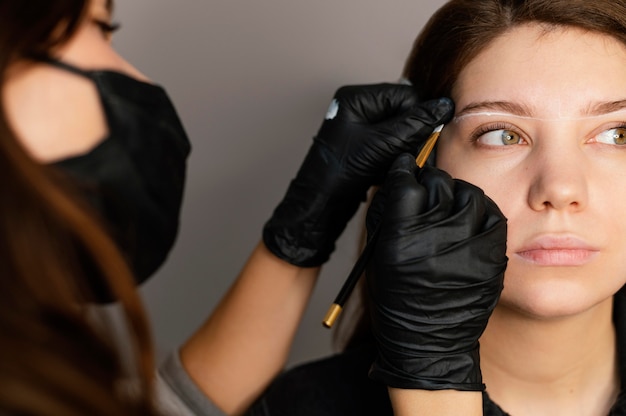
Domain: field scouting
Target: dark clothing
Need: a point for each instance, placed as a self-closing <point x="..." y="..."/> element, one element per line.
<point x="339" y="385"/>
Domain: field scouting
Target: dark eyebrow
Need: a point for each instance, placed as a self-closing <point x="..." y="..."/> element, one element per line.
<point x="504" y="106"/>
<point x="594" y="109"/>
<point x="605" y="107"/>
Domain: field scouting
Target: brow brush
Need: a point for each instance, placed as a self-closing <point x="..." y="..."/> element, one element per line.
<point x="335" y="309"/>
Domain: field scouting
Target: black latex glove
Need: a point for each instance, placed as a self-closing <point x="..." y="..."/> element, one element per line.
<point x="365" y="129"/>
<point x="435" y="276"/>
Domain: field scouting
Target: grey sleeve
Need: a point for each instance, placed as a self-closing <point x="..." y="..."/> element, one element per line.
<point x="177" y="394"/>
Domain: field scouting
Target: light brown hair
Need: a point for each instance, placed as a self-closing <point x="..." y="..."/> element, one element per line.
<point x="461" y="29"/>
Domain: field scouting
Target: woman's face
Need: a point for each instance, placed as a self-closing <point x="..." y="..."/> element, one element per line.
<point x="552" y="155"/>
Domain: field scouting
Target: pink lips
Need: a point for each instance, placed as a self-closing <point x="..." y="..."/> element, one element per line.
<point x="558" y="251"/>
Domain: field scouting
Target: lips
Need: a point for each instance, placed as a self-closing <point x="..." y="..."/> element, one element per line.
<point x="558" y="251"/>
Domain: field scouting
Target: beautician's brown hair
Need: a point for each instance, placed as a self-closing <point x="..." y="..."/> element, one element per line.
<point x="57" y="358"/>
<point x="456" y="34"/>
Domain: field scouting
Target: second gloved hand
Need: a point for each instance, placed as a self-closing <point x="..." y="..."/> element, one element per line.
<point x="365" y="129"/>
<point x="435" y="277"/>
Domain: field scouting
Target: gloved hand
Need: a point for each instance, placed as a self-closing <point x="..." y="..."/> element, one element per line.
<point x="366" y="127"/>
<point x="434" y="278"/>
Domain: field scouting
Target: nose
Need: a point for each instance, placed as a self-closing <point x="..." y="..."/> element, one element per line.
<point x="558" y="179"/>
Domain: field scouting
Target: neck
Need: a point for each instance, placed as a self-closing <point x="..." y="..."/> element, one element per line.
<point x="551" y="366"/>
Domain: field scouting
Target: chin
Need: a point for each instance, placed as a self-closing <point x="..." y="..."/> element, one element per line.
<point x="552" y="299"/>
<point x="559" y="292"/>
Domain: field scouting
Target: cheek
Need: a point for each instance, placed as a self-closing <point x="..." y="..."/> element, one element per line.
<point x="454" y="156"/>
<point x="503" y="177"/>
<point x="493" y="179"/>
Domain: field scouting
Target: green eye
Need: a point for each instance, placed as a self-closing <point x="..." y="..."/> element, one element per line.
<point x="616" y="136"/>
<point x="510" y="137"/>
<point x="620" y="136"/>
<point x="502" y="137"/>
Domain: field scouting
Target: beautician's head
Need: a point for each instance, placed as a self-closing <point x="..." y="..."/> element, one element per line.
<point x="56" y="360"/>
<point x="540" y="94"/>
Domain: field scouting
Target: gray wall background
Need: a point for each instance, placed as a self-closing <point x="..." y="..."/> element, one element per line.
<point x="252" y="81"/>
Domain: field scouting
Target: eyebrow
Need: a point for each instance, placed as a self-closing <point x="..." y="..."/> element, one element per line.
<point x="593" y="109"/>
<point x="502" y="106"/>
<point x="605" y="107"/>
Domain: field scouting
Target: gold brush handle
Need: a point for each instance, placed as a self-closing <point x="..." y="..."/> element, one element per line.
<point x="332" y="315"/>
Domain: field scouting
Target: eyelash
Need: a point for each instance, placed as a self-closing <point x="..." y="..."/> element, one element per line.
<point x="481" y="130"/>
<point x="106" y="27"/>
<point x="476" y="134"/>
<point x="618" y="126"/>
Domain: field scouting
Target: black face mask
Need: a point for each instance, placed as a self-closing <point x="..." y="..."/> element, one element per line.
<point x="135" y="177"/>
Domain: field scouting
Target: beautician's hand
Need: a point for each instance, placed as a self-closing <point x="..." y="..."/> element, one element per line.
<point x="366" y="127"/>
<point x="435" y="276"/>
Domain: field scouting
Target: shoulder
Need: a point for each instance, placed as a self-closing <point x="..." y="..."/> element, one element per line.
<point x="337" y="385"/>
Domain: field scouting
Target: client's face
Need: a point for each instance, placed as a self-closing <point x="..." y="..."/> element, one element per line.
<point x="541" y="128"/>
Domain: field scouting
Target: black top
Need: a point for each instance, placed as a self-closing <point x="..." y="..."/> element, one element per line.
<point x="339" y="385"/>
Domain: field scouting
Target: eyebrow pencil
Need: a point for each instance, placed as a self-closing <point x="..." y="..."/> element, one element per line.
<point x="335" y="309"/>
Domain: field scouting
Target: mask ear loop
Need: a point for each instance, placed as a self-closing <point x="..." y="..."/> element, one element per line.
<point x="64" y="66"/>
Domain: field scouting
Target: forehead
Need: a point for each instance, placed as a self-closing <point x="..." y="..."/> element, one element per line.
<point x="557" y="73"/>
